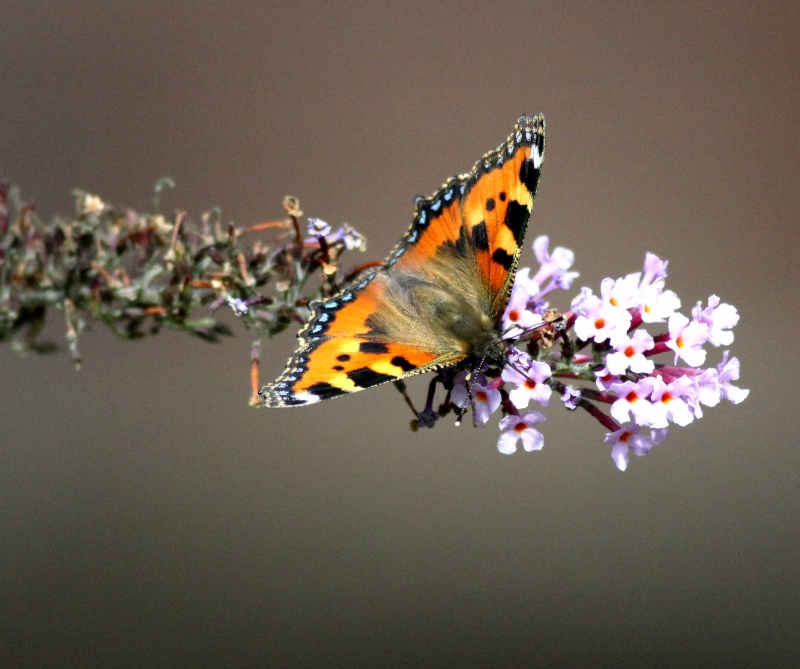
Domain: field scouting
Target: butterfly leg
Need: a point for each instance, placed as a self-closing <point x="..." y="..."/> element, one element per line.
<point x="461" y="411"/>
<point x="401" y="387"/>
<point x="469" y="380"/>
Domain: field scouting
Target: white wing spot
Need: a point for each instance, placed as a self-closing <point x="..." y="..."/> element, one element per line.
<point x="536" y="157"/>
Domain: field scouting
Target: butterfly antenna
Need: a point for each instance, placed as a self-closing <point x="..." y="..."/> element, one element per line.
<point x="468" y="381"/>
<point x="460" y="413"/>
<point x="519" y="370"/>
<point x="471" y="378"/>
<point x="509" y="329"/>
<point x="557" y="324"/>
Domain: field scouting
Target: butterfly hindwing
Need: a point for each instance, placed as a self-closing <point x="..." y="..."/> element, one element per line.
<point x="342" y="350"/>
<point x="459" y="255"/>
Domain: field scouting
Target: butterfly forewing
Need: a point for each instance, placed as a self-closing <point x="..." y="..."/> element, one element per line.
<point x="498" y="204"/>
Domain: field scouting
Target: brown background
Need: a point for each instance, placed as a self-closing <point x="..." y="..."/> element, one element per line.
<point x="149" y="517"/>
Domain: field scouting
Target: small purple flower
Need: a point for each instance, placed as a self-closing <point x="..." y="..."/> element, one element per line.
<point x="516" y="428"/>
<point x="629" y="353"/>
<point x="530" y="382"/>
<point x="349" y="236"/>
<point x="318" y="228"/>
<point x="729" y="371"/>
<point x="517" y="318"/>
<point x="720" y="318"/>
<point x="686" y="338"/>
<point x="580" y="299"/>
<point x="669" y="404"/>
<point x="605" y="379"/>
<point x="708" y="389"/>
<point x="460" y="395"/>
<point x="485" y="401"/>
<point x="486" y="398"/>
<point x="596" y="319"/>
<point x="353" y="239"/>
<point x="555" y="265"/>
<point x="619" y="453"/>
<point x="622" y="293"/>
<point x="238" y="306"/>
<point x="656" y="305"/>
<point x="633" y="400"/>
<point x="524" y="281"/>
<point x="628" y="438"/>
<point x="654" y="268"/>
<point x="570" y="397"/>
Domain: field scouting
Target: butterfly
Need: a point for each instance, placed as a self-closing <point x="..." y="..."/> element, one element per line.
<point x="439" y="298"/>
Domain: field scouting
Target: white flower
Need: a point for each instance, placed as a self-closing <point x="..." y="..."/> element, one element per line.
<point x="629" y="438"/>
<point x="668" y="403"/>
<point x="686" y="338"/>
<point x="516" y="428"/>
<point x="656" y="304"/>
<point x="633" y="400"/>
<point x="630" y="352"/>
<point x="729" y="371"/>
<point x="529" y="378"/>
<point x="720" y="318"/>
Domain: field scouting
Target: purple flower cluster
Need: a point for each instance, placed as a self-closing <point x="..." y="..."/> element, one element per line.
<point x="318" y="229"/>
<point x="643" y="396"/>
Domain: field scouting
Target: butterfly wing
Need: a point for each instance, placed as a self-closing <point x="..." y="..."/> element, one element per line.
<point x="459" y="254"/>
<point x="342" y="350"/>
<point x="483" y="213"/>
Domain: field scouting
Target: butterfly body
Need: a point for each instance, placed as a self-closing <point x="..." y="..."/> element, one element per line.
<point x="438" y="298"/>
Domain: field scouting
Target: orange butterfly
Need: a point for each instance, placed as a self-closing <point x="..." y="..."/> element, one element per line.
<point x="438" y="298"/>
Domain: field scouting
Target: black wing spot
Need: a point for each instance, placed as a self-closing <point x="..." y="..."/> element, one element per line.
<point x="364" y="377"/>
<point x="529" y="175"/>
<point x="490" y="204"/>
<point x="502" y="196"/>
<point x="503" y="259"/>
<point x="480" y="236"/>
<point x="338" y="368"/>
<point x="373" y="347"/>
<point x="324" y="390"/>
<point x="343" y="357"/>
<point x="517" y="220"/>
<point x="402" y="363"/>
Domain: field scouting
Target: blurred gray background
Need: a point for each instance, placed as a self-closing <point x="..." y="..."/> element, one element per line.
<point x="150" y="518"/>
